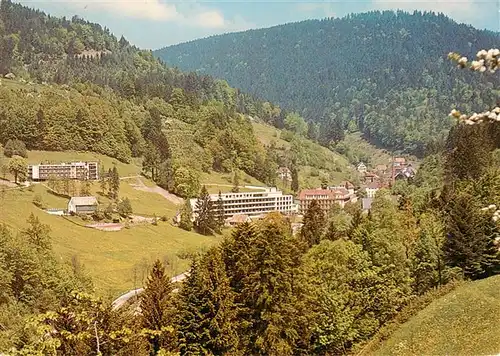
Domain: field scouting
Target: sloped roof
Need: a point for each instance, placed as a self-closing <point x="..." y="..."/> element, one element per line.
<point x="400" y="160"/>
<point x="347" y="184"/>
<point x="330" y="193"/>
<point x="283" y="170"/>
<point x="83" y="201"/>
<point x="374" y="185"/>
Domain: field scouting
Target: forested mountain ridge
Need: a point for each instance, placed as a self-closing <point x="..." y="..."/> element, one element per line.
<point x="383" y="73"/>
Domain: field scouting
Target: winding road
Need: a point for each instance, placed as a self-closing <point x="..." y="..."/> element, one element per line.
<point x="121" y="300"/>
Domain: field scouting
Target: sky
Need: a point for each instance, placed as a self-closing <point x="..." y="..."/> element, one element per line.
<point x="153" y="24"/>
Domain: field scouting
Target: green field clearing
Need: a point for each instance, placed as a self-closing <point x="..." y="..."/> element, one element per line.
<point x="227" y="179"/>
<point x="333" y="166"/>
<point x="463" y="322"/>
<point x="267" y="133"/>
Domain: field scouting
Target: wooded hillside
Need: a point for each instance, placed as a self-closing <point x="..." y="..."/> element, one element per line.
<point x="77" y="87"/>
<point x="382" y="73"/>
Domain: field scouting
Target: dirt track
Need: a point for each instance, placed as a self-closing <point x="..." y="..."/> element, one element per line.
<point x="172" y="197"/>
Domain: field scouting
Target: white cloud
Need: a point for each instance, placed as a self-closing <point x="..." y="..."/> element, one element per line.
<point x="459" y="10"/>
<point x="210" y="19"/>
<point x="325" y="8"/>
<point x="194" y="15"/>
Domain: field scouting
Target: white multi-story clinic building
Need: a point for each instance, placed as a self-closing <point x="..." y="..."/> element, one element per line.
<point x="253" y="203"/>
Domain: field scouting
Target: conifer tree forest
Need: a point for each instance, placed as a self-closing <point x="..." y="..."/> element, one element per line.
<point x="383" y="74"/>
<point x="264" y="290"/>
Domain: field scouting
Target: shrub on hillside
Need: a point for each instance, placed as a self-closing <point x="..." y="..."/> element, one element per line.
<point x="37" y="201"/>
<point x="15" y="148"/>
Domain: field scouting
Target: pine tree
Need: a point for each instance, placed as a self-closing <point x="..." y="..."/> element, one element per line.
<point x="272" y="319"/>
<point x="109" y="178"/>
<point x="114" y="183"/>
<point x="427" y="259"/>
<point x="469" y="147"/>
<point x="314" y="224"/>
<point x="205" y="222"/>
<point x="295" y="180"/>
<point x="236" y="182"/>
<point x="207" y="313"/>
<point x="236" y="253"/>
<point x="151" y="161"/>
<point x="157" y="312"/>
<point x="186" y="215"/>
<point x="220" y="214"/>
<point x="470" y="238"/>
<point x="102" y="181"/>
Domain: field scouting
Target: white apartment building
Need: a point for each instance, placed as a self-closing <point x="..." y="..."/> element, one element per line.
<point x="254" y="203"/>
<point x="71" y="170"/>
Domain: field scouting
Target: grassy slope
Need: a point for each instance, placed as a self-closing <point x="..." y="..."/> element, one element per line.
<point x="463" y="322"/>
<point x="358" y="145"/>
<point x="266" y="134"/>
<point x="110" y="257"/>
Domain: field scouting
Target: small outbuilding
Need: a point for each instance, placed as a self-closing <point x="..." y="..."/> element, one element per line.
<point x="82" y="205"/>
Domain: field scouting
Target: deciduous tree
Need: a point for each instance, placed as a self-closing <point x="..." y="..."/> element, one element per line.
<point x="18" y="166"/>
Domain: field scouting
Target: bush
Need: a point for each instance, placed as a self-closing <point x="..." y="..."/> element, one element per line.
<point x="124" y="207"/>
<point x="164" y="218"/>
<point x="37" y="201"/>
<point x="15" y="148"/>
<point x="287" y="135"/>
<point x="108" y="212"/>
<point x="98" y="215"/>
<point x="314" y="172"/>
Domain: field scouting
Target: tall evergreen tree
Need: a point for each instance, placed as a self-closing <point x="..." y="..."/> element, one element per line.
<point x="157" y="311"/>
<point x="151" y="161"/>
<point x="295" y="180"/>
<point x="236" y="251"/>
<point x="207" y="312"/>
<point x="220" y="213"/>
<point x="272" y="319"/>
<point x="470" y="238"/>
<point x="236" y="182"/>
<point x="205" y="220"/>
<point x="469" y="147"/>
<point x="186" y="215"/>
<point x="314" y="224"/>
<point x="103" y="180"/>
<point x="427" y="259"/>
<point x="114" y="183"/>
